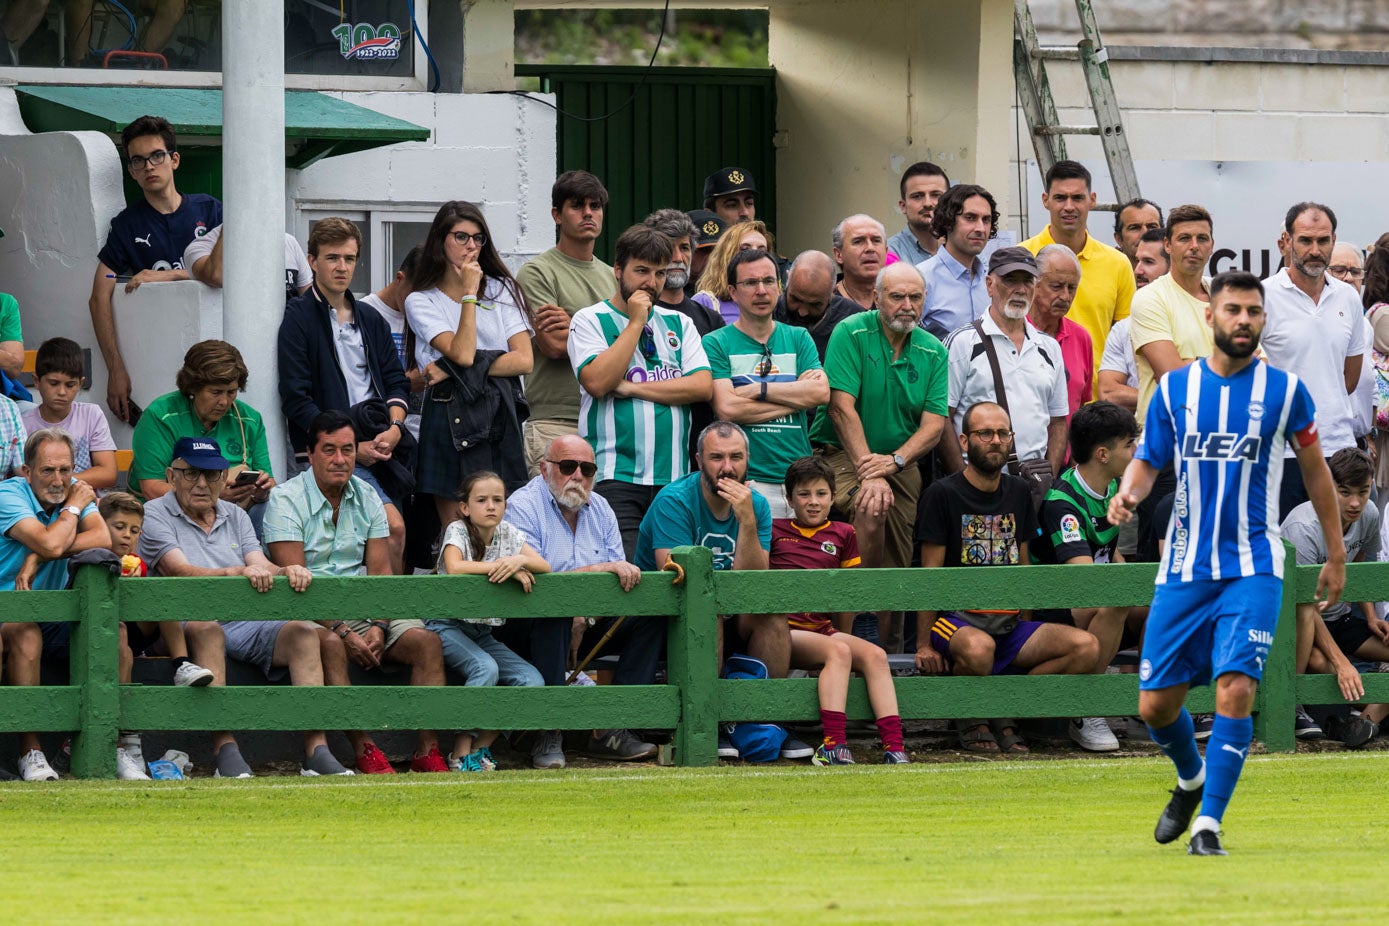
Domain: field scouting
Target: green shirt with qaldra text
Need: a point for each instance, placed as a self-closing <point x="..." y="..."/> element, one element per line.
<point x="889" y="394"/>
<point x="634" y="440"/>
<point x="555" y="278"/>
<point x="772" y="445"/>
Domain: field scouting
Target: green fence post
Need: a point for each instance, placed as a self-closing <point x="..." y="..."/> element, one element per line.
<point x="95" y="670"/>
<point x="1277" y="704"/>
<point x="693" y="659"/>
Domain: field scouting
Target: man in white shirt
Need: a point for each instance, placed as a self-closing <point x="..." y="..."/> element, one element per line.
<point x="1315" y="331"/>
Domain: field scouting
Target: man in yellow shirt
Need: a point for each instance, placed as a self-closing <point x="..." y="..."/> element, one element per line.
<point x="1106" y="276"/>
<point x="1168" y="326"/>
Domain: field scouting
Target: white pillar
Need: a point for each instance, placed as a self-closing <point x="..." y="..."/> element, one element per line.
<point x="253" y="194"/>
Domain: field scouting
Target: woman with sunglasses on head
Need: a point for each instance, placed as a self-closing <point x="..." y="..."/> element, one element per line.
<point x="470" y="320"/>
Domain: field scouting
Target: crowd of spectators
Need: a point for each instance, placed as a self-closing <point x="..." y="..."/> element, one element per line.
<point x="920" y="400"/>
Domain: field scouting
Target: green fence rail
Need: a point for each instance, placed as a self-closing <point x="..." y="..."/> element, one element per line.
<point x="694" y="701"/>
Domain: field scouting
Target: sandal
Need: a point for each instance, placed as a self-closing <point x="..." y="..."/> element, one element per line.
<point x="1006" y="736"/>
<point x="976" y="738"/>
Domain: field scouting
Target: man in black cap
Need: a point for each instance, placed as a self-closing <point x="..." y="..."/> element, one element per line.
<point x="1029" y="362"/>
<point x="708" y="228"/>
<point x="731" y="193"/>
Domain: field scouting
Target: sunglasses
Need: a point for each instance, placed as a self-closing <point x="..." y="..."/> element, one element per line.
<point x="567" y="467"/>
<point x="647" y="344"/>
<point x="764" y="367"/>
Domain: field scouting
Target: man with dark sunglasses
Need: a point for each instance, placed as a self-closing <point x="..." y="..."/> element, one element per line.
<point x="576" y="531"/>
<point x="767" y="375"/>
<point x="146" y="240"/>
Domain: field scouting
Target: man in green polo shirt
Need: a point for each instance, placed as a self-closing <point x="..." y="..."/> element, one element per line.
<point x="557" y="284"/>
<point x="766" y="376"/>
<point x="888" y="393"/>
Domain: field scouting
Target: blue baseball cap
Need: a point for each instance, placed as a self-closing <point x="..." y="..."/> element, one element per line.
<point x="200" y="453"/>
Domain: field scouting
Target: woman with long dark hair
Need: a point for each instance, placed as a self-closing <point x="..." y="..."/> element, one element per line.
<point x="470" y="318"/>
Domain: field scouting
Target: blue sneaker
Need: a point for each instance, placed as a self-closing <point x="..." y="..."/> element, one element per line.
<point x="832" y="755"/>
<point x="484" y="759"/>
<point x="896" y="757"/>
<point x="468" y="763"/>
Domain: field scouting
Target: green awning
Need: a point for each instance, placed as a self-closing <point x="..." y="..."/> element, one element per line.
<point x="316" y="125"/>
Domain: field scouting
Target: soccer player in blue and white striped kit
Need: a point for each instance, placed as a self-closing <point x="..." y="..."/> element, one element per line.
<point x="1225" y="421"/>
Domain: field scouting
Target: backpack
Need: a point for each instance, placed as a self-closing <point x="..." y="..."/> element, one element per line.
<point x="756" y="742"/>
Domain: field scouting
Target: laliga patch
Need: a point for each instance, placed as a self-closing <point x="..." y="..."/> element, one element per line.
<point x="1070" y="529"/>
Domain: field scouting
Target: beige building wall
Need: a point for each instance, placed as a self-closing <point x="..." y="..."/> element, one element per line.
<point x="866" y="88"/>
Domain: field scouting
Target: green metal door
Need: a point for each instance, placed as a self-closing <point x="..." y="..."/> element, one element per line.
<point x="654" y="153"/>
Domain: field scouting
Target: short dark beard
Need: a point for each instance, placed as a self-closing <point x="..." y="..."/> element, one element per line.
<point x="979" y="459"/>
<point x="1228" y="348"/>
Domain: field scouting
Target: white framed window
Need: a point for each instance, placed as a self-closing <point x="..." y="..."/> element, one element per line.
<point x="388" y="233"/>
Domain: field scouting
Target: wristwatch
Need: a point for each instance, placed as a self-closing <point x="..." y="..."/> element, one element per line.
<point x="74" y="511"/>
<point x="900" y="461"/>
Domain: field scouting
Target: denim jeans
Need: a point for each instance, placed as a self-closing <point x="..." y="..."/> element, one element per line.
<point x="472" y="651"/>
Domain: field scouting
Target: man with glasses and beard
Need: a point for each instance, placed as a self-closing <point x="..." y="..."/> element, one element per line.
<point x="982" y="516"/>
<point x="576" y="531"/>
<point x="1222" y="422"/>
<point x="680" y="229"/>
<point x="767" y="375"/>
<point x="639" y="367"/>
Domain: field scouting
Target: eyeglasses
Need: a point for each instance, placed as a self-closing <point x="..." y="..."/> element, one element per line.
<point x="764" y="367"/>
<point x="648" y="342"/>
<point x="153" y="159"/>
<point x="989" y="435"/>
<point x="567" y="467"/>
<point x="768" y="282"/>
<point x="1354" y="273"/>
<point x="191" y="475"/>
<point x="463" y="238"/>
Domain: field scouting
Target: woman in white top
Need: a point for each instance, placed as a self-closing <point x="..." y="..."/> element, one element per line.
<point x="465" y="300"/>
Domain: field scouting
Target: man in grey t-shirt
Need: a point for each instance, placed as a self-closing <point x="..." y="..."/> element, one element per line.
<point x="1325" y="639"/>
<point x="191" y="532"/>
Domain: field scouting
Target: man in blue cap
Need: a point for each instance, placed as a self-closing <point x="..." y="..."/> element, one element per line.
<point x="192" y="532"/>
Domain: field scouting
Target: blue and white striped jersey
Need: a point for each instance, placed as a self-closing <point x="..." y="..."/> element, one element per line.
<point x="1227" y="438"/>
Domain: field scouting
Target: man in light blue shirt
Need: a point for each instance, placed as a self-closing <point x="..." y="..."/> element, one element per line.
<point x="576" y="531"/>
<point x="49" y="516"/>
<point x="965" y="218"/>
<point x="334" y="524"/>
<point x="922" y="186"/>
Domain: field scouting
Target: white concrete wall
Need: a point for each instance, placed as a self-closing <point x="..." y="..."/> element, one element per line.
<point x="493" y="149"/>
<point x="1226" y="112"/>
<point x="60" y="191"/>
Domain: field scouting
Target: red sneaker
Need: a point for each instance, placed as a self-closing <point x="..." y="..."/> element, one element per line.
<point x="373" y="761"/>
<point x="429" y="762"/>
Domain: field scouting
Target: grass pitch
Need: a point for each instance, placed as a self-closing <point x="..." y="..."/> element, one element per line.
<point x="995" y="842"/>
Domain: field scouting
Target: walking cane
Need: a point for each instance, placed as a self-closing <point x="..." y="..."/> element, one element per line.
<point x="670" y="566"/>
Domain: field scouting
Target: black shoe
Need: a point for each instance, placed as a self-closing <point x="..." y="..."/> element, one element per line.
<point x="1176" y="816"/>
<point x="1354" y="733"/>
<point x="1206" y="842"/>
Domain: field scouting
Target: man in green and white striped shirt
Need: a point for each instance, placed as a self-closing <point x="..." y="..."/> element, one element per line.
<point x="639" y="368"/>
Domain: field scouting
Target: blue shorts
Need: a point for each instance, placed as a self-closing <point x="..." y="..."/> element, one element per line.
<point x="1197" y="631"/>
<point x="254" y="642"/>
<point x="1006" y="646"/>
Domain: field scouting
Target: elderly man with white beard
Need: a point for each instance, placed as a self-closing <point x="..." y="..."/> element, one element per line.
<point x="1030" y="366"/>
<point x="576" y="531"/>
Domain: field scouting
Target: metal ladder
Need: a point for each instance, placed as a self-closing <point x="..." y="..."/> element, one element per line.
<point x="1034" y="91"/>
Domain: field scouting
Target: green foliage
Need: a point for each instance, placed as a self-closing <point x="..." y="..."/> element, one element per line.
<point x="709" y="38"/>
<point x="998" y="842"/>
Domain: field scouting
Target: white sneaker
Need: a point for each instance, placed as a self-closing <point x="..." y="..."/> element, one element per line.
<point x="127" y="769"/>
<point x="1093" y="733"/>
<point x="189" y="675"/>
<point x="33" y="766"/>
<point x="130" y="742"/>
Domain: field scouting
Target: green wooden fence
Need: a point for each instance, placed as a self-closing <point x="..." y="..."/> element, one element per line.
<point x="693" y="702"/>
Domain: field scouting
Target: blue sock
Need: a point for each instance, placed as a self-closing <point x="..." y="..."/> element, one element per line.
<point x="1178" y="741"/>
<point x="1225" y="752"/>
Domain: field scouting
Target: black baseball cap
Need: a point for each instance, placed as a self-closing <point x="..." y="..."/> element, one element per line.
<point x="708" y="227"/>
<point x="727" y="180"/>
<point x="1005" y="260"/>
